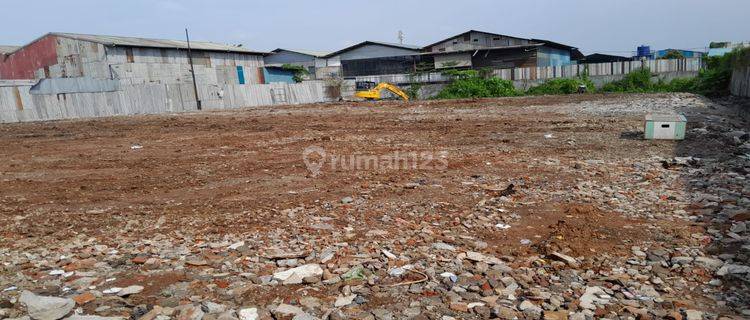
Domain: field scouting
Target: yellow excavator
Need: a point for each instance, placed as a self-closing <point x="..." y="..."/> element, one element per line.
<point x="370" y="91"/>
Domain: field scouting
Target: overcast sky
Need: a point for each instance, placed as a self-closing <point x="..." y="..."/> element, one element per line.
<point x="610" y="26"/>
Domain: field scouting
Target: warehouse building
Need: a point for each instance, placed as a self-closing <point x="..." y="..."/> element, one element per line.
<point x="387" y="65"/>
<point x="471" y="49"/>
<point x="472" y="39"/>
<point x="307" y="59"/>
<point x="303" y="58"/>
<point x="681" y="53"/>
<point x="131" y="60"/>
<point x="369" y="57"/>
<point x="718" y="49"/>
<point x="481" y="49"/>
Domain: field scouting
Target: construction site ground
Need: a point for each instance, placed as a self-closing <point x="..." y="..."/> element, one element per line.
<point x="548" y="207"/>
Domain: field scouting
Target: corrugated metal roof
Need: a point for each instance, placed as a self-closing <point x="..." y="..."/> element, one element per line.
<point x="554" y="44"/>
<point x="317" y="54"/>
<point x="154" y="43"/>
<point x="8" y="49"/>
<point x="521" y="46"/>
<point x="387" y="44"/>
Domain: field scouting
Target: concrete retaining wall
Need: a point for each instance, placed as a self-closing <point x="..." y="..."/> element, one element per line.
<point x="18" y="104"/>
<point x="74" y="85"/>
<point x="740" y="85"/>
<point x="430" y="90"/>
<point x="543" y="73"/>
<point x="600" y="81"/>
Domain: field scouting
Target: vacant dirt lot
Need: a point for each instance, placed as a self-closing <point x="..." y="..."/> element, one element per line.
<point x="527" y="207"/>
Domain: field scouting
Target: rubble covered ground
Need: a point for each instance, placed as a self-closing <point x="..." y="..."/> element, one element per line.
<point x="543" y="207"/>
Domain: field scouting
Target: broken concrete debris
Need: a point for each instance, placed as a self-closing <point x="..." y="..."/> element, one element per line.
<point x="45" y="308"/>
<point x="310" y="273"/>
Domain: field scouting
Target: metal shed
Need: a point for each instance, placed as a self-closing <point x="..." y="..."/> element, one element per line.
<point x="665" y="126"/>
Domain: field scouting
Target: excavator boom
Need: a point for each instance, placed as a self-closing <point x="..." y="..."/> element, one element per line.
<point x="374" y="93"/>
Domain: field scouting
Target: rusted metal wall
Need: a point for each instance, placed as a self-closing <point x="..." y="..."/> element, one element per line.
<point x="23" y="63"/>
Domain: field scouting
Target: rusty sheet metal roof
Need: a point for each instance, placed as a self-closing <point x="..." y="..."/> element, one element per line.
<point x="317" y="54"/>
<point x="8" y="49"/>
<point x="155" y="43"/>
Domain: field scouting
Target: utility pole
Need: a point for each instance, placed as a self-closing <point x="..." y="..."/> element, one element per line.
<point x="401" y="37"/>
<point x="192" y="71"/>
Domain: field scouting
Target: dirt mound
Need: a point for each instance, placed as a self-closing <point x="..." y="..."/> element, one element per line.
<point x="585" y="231"/>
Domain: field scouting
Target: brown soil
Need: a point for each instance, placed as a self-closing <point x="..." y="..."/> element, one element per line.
<point x="213" y="173"/>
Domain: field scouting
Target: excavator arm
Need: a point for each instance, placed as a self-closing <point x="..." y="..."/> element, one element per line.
<point x="392" y="88"/>
<point x="374" y="93"/>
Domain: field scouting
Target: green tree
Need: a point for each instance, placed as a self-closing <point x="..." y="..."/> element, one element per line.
<point x="299" y="71"/>
<point x="469" y="84"/>
<point x="673" y="54"/>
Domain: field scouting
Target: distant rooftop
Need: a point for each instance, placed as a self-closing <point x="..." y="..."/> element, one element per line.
<point x="8" y="49"/>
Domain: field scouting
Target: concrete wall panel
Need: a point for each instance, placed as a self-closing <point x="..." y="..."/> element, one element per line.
<point x="740" y="85"/>
<point x="151" y="99"/>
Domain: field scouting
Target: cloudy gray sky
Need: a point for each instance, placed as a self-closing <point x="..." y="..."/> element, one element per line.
<point x="612" y="26"/>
